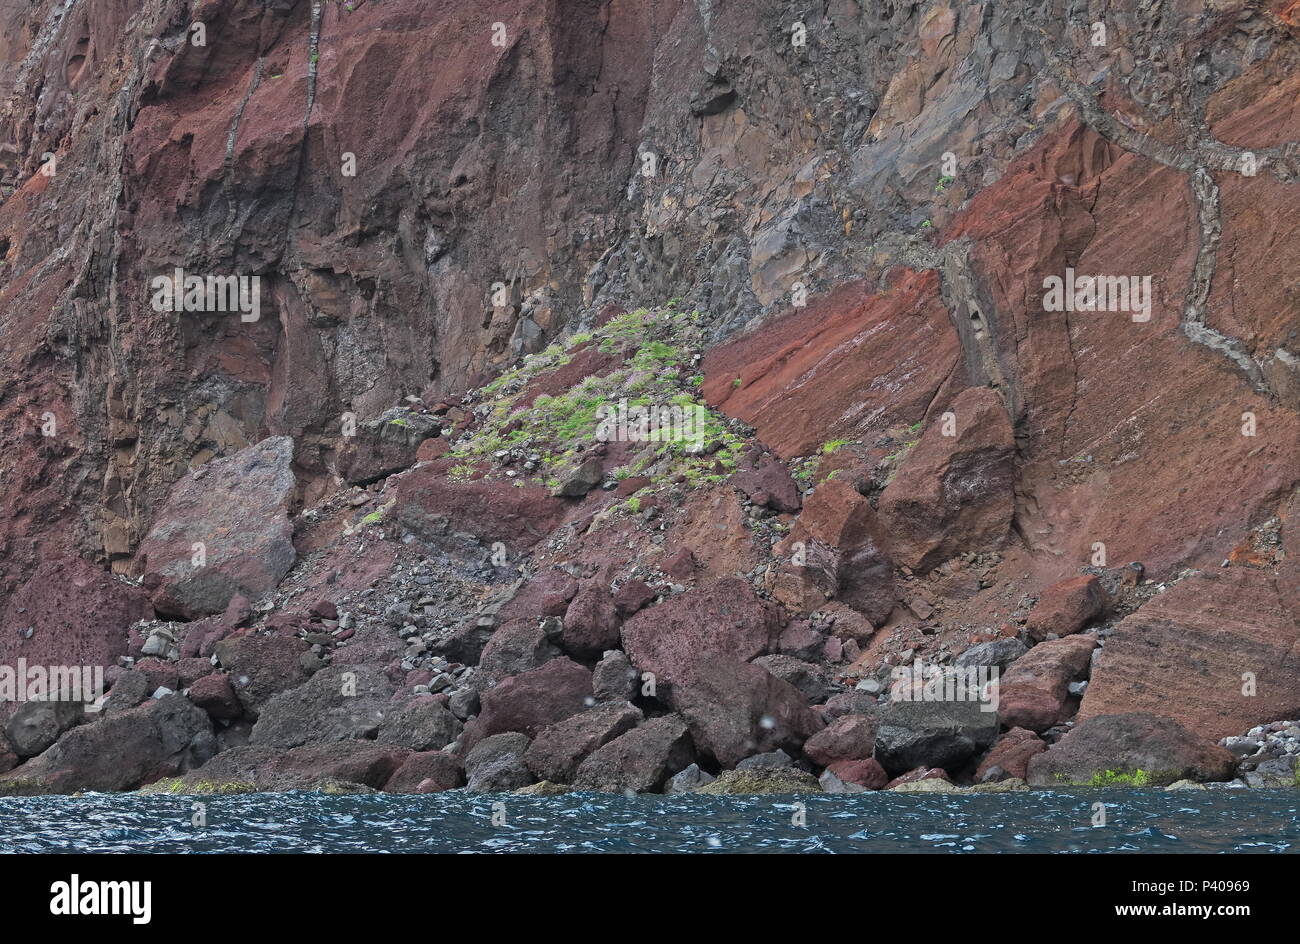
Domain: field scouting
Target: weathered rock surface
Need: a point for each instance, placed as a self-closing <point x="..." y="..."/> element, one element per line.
<point x="559" y="748"/>
<point x="224" y="531"/>
<point x="530" y="702"/>
<point x="953" y="492"/>
<point x="422" y="724"/>
<point x="261" y="666"/>
<point x="641" y="760"/>
<point x="946" y="734"/>
<point x="1162" y="749"/>
<point x="1189" y="653"/>
<point x="1033" y="692"/>
<point x="1067" y="606"/>
<point x="161" y="738"/>
<point x="339" y="703"/>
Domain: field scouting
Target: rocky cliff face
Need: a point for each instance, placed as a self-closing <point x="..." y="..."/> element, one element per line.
<point x="858" y="229"/>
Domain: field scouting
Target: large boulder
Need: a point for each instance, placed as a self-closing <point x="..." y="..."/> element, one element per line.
<point x="809" y="678"/>
<point x="837" y="546"/>
<point x="998" y="653"/>
<point x="70" y="613"/>
<point x="1067" y="606"/>
<point x="161" y="738"/>
<point x="723" y="618"/>
<point x="37" y="724"/>
<point x="427" y="772"/>
<point x="735" y="709"/>
<point x="640" y="761"/>
<point x="924" y="733"/>
<point x="1034" y="691"/>
<point x="237" y="509"/>
<point x="1162" y="749"/>
<point x="1216" y="652"/>
<point x="1010" y="756"/>
<point x="263" y="666"/>
<point x="496" y="764"/>
<point x="954" y="492"/>
<point x="848" y="737"/>
<point x="422" y="724"/>
<point x="557" y="751"/>
<point x="516" y="647"/>
<point x="308" y="767"/>
<point x="339" y="703"/>
<point x="429" y="504"/>
<point x="531" y="701"/>
<point x="591" y="623"/>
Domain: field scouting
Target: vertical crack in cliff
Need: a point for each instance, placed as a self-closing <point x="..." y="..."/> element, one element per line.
<point x="228" y="163"/>
<point x="313" y="59"/>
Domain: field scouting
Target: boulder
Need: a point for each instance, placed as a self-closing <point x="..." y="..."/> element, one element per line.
<point x="723" y="618"/>
<point x="1124" y="744"/>
<point x="516" y="647"/>
<point x="1034" y="691"/>
<point x="161" y="738"/>
<point x="614" y="678"/>
<point x="944" y="734"/>
<point x="84" y="623"/>
<point x="237" y="508"/>
<point x="531" y="701"/>
<point x="1067" y="606"/>
<point x="496" y="764"/>
<point x="999" y="653"/>
<point x="810" y="679"/>
<point x="688" y="780"/>
<point x="591" y="623"/>
<point x="426" y="772"/>
<point x="130" y="689"/>
<point x="639" y="761"/>
<point x="263" y="666"/>
<point x="1185" y="654"/>
<point x="838" y="545"/>
<point x="632" y="596"/>
<point x="848" y="737"/>
<point x="735" y="709"/>
<point x="422" y="724"/>
<point x="37" y="724"/>
<point x="1010" y="756"/>
<point x="320" y="766"/>
<point x="339" y="703"/>
<point x="215" y="695"/>
<point x="953" y="493"/>
<point x="559" y="748"/>
<point x="863" y="772"/>
<point x="768" y="484"/>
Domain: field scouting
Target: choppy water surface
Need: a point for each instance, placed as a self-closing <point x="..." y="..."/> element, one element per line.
<point x="1137" y="821"/>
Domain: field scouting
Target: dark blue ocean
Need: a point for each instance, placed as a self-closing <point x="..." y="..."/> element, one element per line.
<point x="1136" y="821"/>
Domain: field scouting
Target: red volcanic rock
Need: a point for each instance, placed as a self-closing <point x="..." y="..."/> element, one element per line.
<point x="849" y="365"/>
<point x="215" y="695"/>
<point x="953" y="492"/>
<point x="632" y="596"/>
<point x="492" y="510"/>
<point x="516" y="647"/>
<point x="680" y="564"/>
<point x="842" y="546"/>
<point x="69" y="613"/>
<point x="723" y="618"/>
<point x="641" y="760"/>
<point x="531" y="701"/>
<point x="768" y="484"/>
<point x="920" y="773"/>
<point x="234" y="513"/>
<point x="1011" y="754"/>
<point x="848" y="737"/>
<point x="591" y="623"/>
<point x="1067" y="606"/>
<point x="261" y="666"/>
<point x="426" y="772"/>
<point x="1032" y="693"/>
<point x="1190" y="653"/>
<point x="547" y="594"/>
<point x="559" y="748"/>
<point x="126" y="750"/>
<point x="735" y="709"/>
<point x="303" y="768"/>
<point x="1126" y="743"/>
<point x="864" y="772"/>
